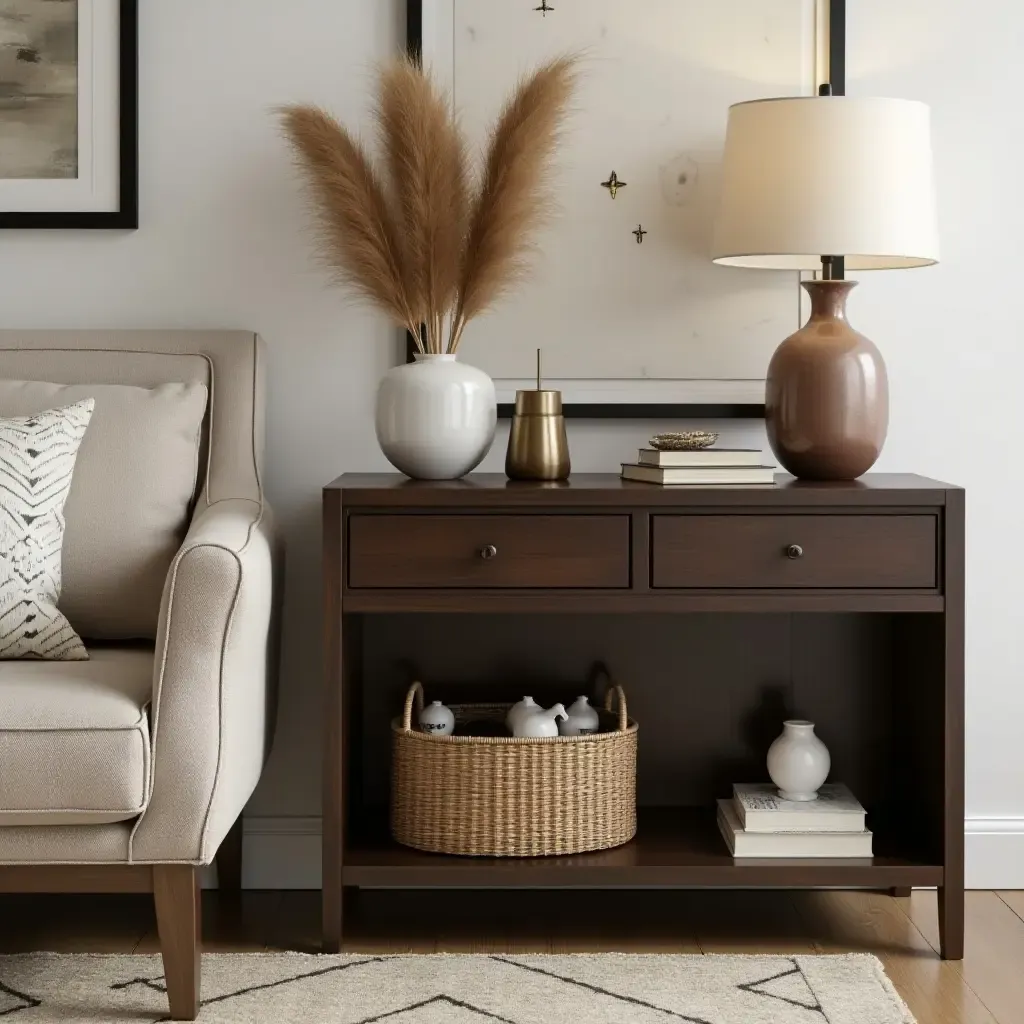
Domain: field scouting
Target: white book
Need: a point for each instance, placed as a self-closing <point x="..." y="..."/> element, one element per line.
<point x="701" y="457"/>
<point x="699" y="474"/>
<point x="788" y="844"/>
<point x="760" y="809"/>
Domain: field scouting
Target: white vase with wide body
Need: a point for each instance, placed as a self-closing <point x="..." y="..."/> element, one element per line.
<point x="435" y="417"/>
<point x="798" y="762"/>
<point x="437" y="720"/>
<point x="581" y="720"/>
<point x="527" y="706"/>
<point x="540" y="724"/>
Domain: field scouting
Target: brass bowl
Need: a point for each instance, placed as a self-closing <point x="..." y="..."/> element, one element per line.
<point x="688" y="441"/>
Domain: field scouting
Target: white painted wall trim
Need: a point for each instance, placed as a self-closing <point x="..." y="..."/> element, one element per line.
<point x="284" y="853"/>
<point x="994" y="853"/>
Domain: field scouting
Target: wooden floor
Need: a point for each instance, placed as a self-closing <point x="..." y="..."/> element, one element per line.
<point x="986" y="988"/>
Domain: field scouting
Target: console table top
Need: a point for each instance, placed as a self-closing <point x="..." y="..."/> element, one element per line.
<point x="610" y="489"/>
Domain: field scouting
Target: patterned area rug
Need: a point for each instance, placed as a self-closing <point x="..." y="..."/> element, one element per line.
<point x="595" y="989"/>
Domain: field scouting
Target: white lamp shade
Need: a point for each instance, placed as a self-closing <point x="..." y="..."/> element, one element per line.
<point x="809" y="176"/>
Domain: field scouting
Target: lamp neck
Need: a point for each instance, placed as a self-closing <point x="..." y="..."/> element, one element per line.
<point x="833" y="268"/>
<point x="828" y="298"/>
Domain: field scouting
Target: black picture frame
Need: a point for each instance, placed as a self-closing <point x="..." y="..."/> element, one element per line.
<point x="646" y="410"/>
<point x="126" y="216"/>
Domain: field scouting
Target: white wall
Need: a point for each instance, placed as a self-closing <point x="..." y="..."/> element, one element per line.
<point x="953" y="342"/>
<point x="223" y="244"/>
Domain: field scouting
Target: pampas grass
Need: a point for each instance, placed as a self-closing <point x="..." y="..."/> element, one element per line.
<point x="358" y="234"/>
<point x="427" y="165"/>
<point x="418" y="240"/>
<point x="514" y="198"/>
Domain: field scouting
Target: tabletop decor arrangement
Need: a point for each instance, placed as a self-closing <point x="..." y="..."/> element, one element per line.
<point x="430" y="247"/>
<point x="690" y="458"/>
<point x="830" y="184"/>
<point x="519" y="781"/>
<point x="796" y="814"/>
<point x="757" y="822"/>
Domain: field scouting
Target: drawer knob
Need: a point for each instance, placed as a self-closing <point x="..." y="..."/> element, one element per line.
<point x="794" y="551"/>
<point x="488" y="552"/>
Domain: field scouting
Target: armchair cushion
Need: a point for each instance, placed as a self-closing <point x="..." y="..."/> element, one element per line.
<point x="74" y="738"/>
<point x="131" y="497"/>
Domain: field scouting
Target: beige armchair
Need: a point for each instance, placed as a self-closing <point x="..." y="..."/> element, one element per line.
<point x="127" y="772"/>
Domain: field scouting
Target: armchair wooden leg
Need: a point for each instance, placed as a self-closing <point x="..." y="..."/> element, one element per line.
<point x="229" y="862"/>
<point x="176" y="893"/>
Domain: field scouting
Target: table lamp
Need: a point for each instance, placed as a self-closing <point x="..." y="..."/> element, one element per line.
<point x="807" y="180"/>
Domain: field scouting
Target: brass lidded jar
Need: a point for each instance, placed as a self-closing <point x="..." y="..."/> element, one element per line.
<point x="538" y="448"/>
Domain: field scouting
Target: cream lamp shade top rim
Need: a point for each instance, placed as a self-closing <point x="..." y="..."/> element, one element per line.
<point x="808" y="176"/>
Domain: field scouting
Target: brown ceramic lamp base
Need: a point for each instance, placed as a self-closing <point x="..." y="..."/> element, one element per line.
<point x="827" y="398"/>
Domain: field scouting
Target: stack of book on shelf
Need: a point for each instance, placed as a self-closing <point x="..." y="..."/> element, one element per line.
<point x="704" y="466"/>
<point x="756" y="822"/>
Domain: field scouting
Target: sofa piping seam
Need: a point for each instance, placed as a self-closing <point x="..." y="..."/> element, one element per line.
<point x="72" y="810"/>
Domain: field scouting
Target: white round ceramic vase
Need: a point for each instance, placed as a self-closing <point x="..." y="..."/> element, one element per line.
<point x="435" y="417"/>
<point x="582" y="719"/>
<point x="437" y="720"/>
<point x="798" y="762"/>
<point x="520" y="709"/>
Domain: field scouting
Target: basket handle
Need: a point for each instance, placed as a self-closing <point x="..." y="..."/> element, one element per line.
<point x="415" y="694"/>
<point x="617" y="692"/>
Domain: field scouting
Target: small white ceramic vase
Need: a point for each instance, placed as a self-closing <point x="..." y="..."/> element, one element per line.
<point x="526" y="706"/>
<point x="540" y="724"/>
<point x="798" y="762"/>
<point x="582" y="719"/>
<point x="437" y="720"/>
<point x="435" y="417"/>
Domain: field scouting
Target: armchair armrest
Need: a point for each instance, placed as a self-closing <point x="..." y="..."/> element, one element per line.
<point x="213" y="683"/>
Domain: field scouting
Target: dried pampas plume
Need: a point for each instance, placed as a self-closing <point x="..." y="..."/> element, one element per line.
<point x="358" y="234"/>
<point x="426" y="160"/>
<point x="514" y="198"/>
<point x="416" y="242"/>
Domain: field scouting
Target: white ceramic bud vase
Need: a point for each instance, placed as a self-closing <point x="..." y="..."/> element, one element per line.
<point x="798" y="762"/>
<point x="435" y="417"/>
<point x="437" y="720"/>
<point x="519" y="710"/>
<point x="582" y="719"/>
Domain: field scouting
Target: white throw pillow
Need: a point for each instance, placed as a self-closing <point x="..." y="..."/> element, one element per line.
<point x="37" y="458"/>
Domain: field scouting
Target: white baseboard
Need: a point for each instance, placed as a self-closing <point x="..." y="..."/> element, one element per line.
<point x="284" y="853"/>
<point x="994" y="853"/>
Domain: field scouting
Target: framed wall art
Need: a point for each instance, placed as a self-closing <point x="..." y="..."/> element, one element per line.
<point x="632" y="316"/>
<point x="68" y="113"/>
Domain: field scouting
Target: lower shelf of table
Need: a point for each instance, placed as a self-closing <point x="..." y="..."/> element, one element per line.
<point x="673" y="847"/>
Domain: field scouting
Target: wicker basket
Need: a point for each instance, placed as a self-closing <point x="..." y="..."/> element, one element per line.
<point x="502" y="797"/>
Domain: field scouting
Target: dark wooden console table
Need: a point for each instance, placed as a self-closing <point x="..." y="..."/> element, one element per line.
<point x="720" y="610"/>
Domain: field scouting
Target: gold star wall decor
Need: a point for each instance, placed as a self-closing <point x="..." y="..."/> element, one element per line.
<point x="613" y="184"/>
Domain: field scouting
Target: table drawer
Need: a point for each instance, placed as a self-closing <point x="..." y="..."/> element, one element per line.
<point x="828" y="551"/>
<point x="488" y="551"/>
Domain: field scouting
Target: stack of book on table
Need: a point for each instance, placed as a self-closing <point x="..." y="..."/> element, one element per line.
<point x="756" y="822"/>
<point x="704" y="466"/>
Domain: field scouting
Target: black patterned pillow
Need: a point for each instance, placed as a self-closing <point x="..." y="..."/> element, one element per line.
<point x="37" y="458"/>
